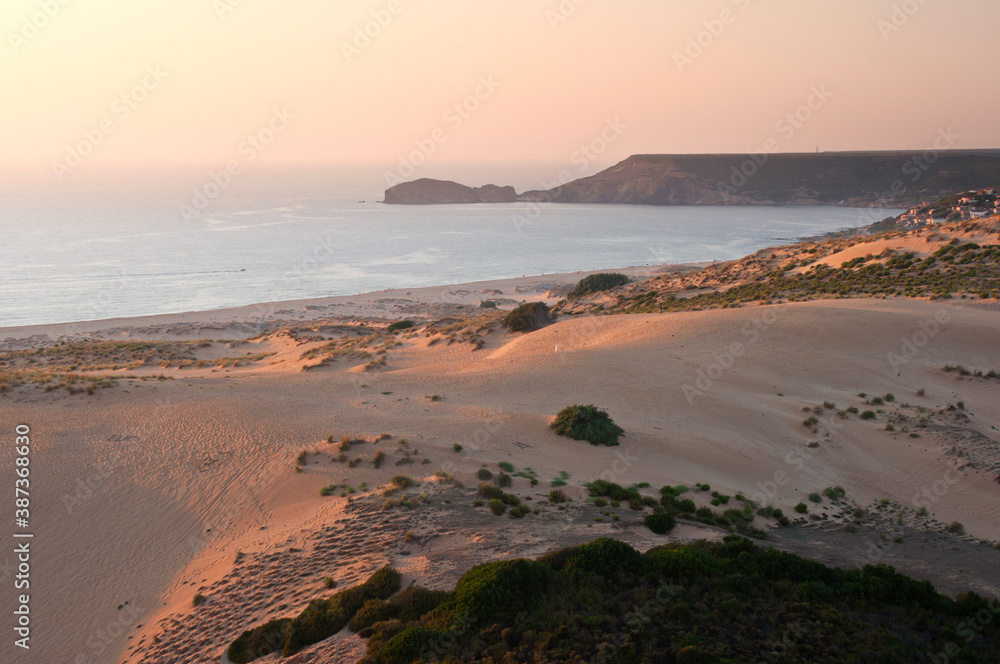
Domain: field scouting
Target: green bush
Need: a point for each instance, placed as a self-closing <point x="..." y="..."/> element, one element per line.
<point x="510" y="499"/>
<point x="371" y="612"/>
<point x="815" y="498"/>
<point x="834" y="492"/>
<point x="497" y="506"/>
<point x="400" y="325"/>
<point x="801" y="508"/>
<point x="687" y="506"/>
<point x="408" y="645"/>
<point x="661" y="523"/>
<point x="528" y="317"/>
<point x="604" y="556"/>
<point x="868" y="415"/>
<point x="612" y="490"/>
<point x="495" y="592"/>
<point x="519" y="511"/>
<point x="587" y="423"/>
<point x="324" y="618"/>
<point x="257" y="642"/>
<point x="484" y="474"/>
<point x="506" y="466"/>
<point x="490" y="491"/>
<point x="680" y="564"/>
<point x="601" y="281"/>
<point x="557" y="496"/>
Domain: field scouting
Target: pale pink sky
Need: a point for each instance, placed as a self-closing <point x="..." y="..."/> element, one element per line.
<point x="187" y="81"/>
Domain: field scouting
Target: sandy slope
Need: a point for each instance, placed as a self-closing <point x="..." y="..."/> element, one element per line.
<point x="184" y="473"/>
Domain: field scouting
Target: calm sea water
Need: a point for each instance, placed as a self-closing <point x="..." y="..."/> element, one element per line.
<point x="91" y="248"/>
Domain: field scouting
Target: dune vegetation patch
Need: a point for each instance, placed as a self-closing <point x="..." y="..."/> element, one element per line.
<point x="695" y="602"/>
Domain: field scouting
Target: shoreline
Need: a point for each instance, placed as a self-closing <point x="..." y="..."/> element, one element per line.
<point x="372" y="304"/>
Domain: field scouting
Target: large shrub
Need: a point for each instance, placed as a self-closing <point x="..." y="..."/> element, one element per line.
<point x="601" y="281"/>
<point x="400" y="325"/>
<point x="660" y="523"/>
<point x="409" y="645"/>
<point x="587" y="423"/>
<point x="495" y="592"/>
<point x="528" y="317"/>
<point x="258" y="642"/>
<point x="324" y="618"/>
<point x="605" y="556"/>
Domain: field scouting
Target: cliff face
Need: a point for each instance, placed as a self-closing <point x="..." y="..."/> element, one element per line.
<point x="435" y="192"/>
<point x="892" y="179"/>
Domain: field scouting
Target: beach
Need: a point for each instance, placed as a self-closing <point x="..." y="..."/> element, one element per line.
<point x="204" y="479"/>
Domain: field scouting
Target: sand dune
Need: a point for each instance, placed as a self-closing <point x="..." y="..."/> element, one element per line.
<point x="148" y="491"/>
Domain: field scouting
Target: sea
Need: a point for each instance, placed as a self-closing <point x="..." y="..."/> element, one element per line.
<point x="128" y="243"/>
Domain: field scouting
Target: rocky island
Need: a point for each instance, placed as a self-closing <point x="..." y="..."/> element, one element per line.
<point x="427" y="192"/>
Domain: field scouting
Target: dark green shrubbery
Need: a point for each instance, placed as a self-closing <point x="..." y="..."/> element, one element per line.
<point x="321" y="618"/>
<point x="601" y="281"/>
<point x="400" y="325"/>
<point x="408" y="645"/>
<point x="660" y="523"/>
<point x="587" y="423"/>
<point x="604" y="488"/>
<point x="496" y="592"/>
<point x="699" y="602"/>
<point x="409" y="604"/>
<point x="258" y="642"/>
<point x="529" y="317"/>
<point x="490" y="491"/>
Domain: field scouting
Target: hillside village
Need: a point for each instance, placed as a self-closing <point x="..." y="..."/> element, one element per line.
<point x="960" y="207"/>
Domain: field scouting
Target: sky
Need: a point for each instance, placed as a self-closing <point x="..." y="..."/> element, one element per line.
<point x="414" y="86"/>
